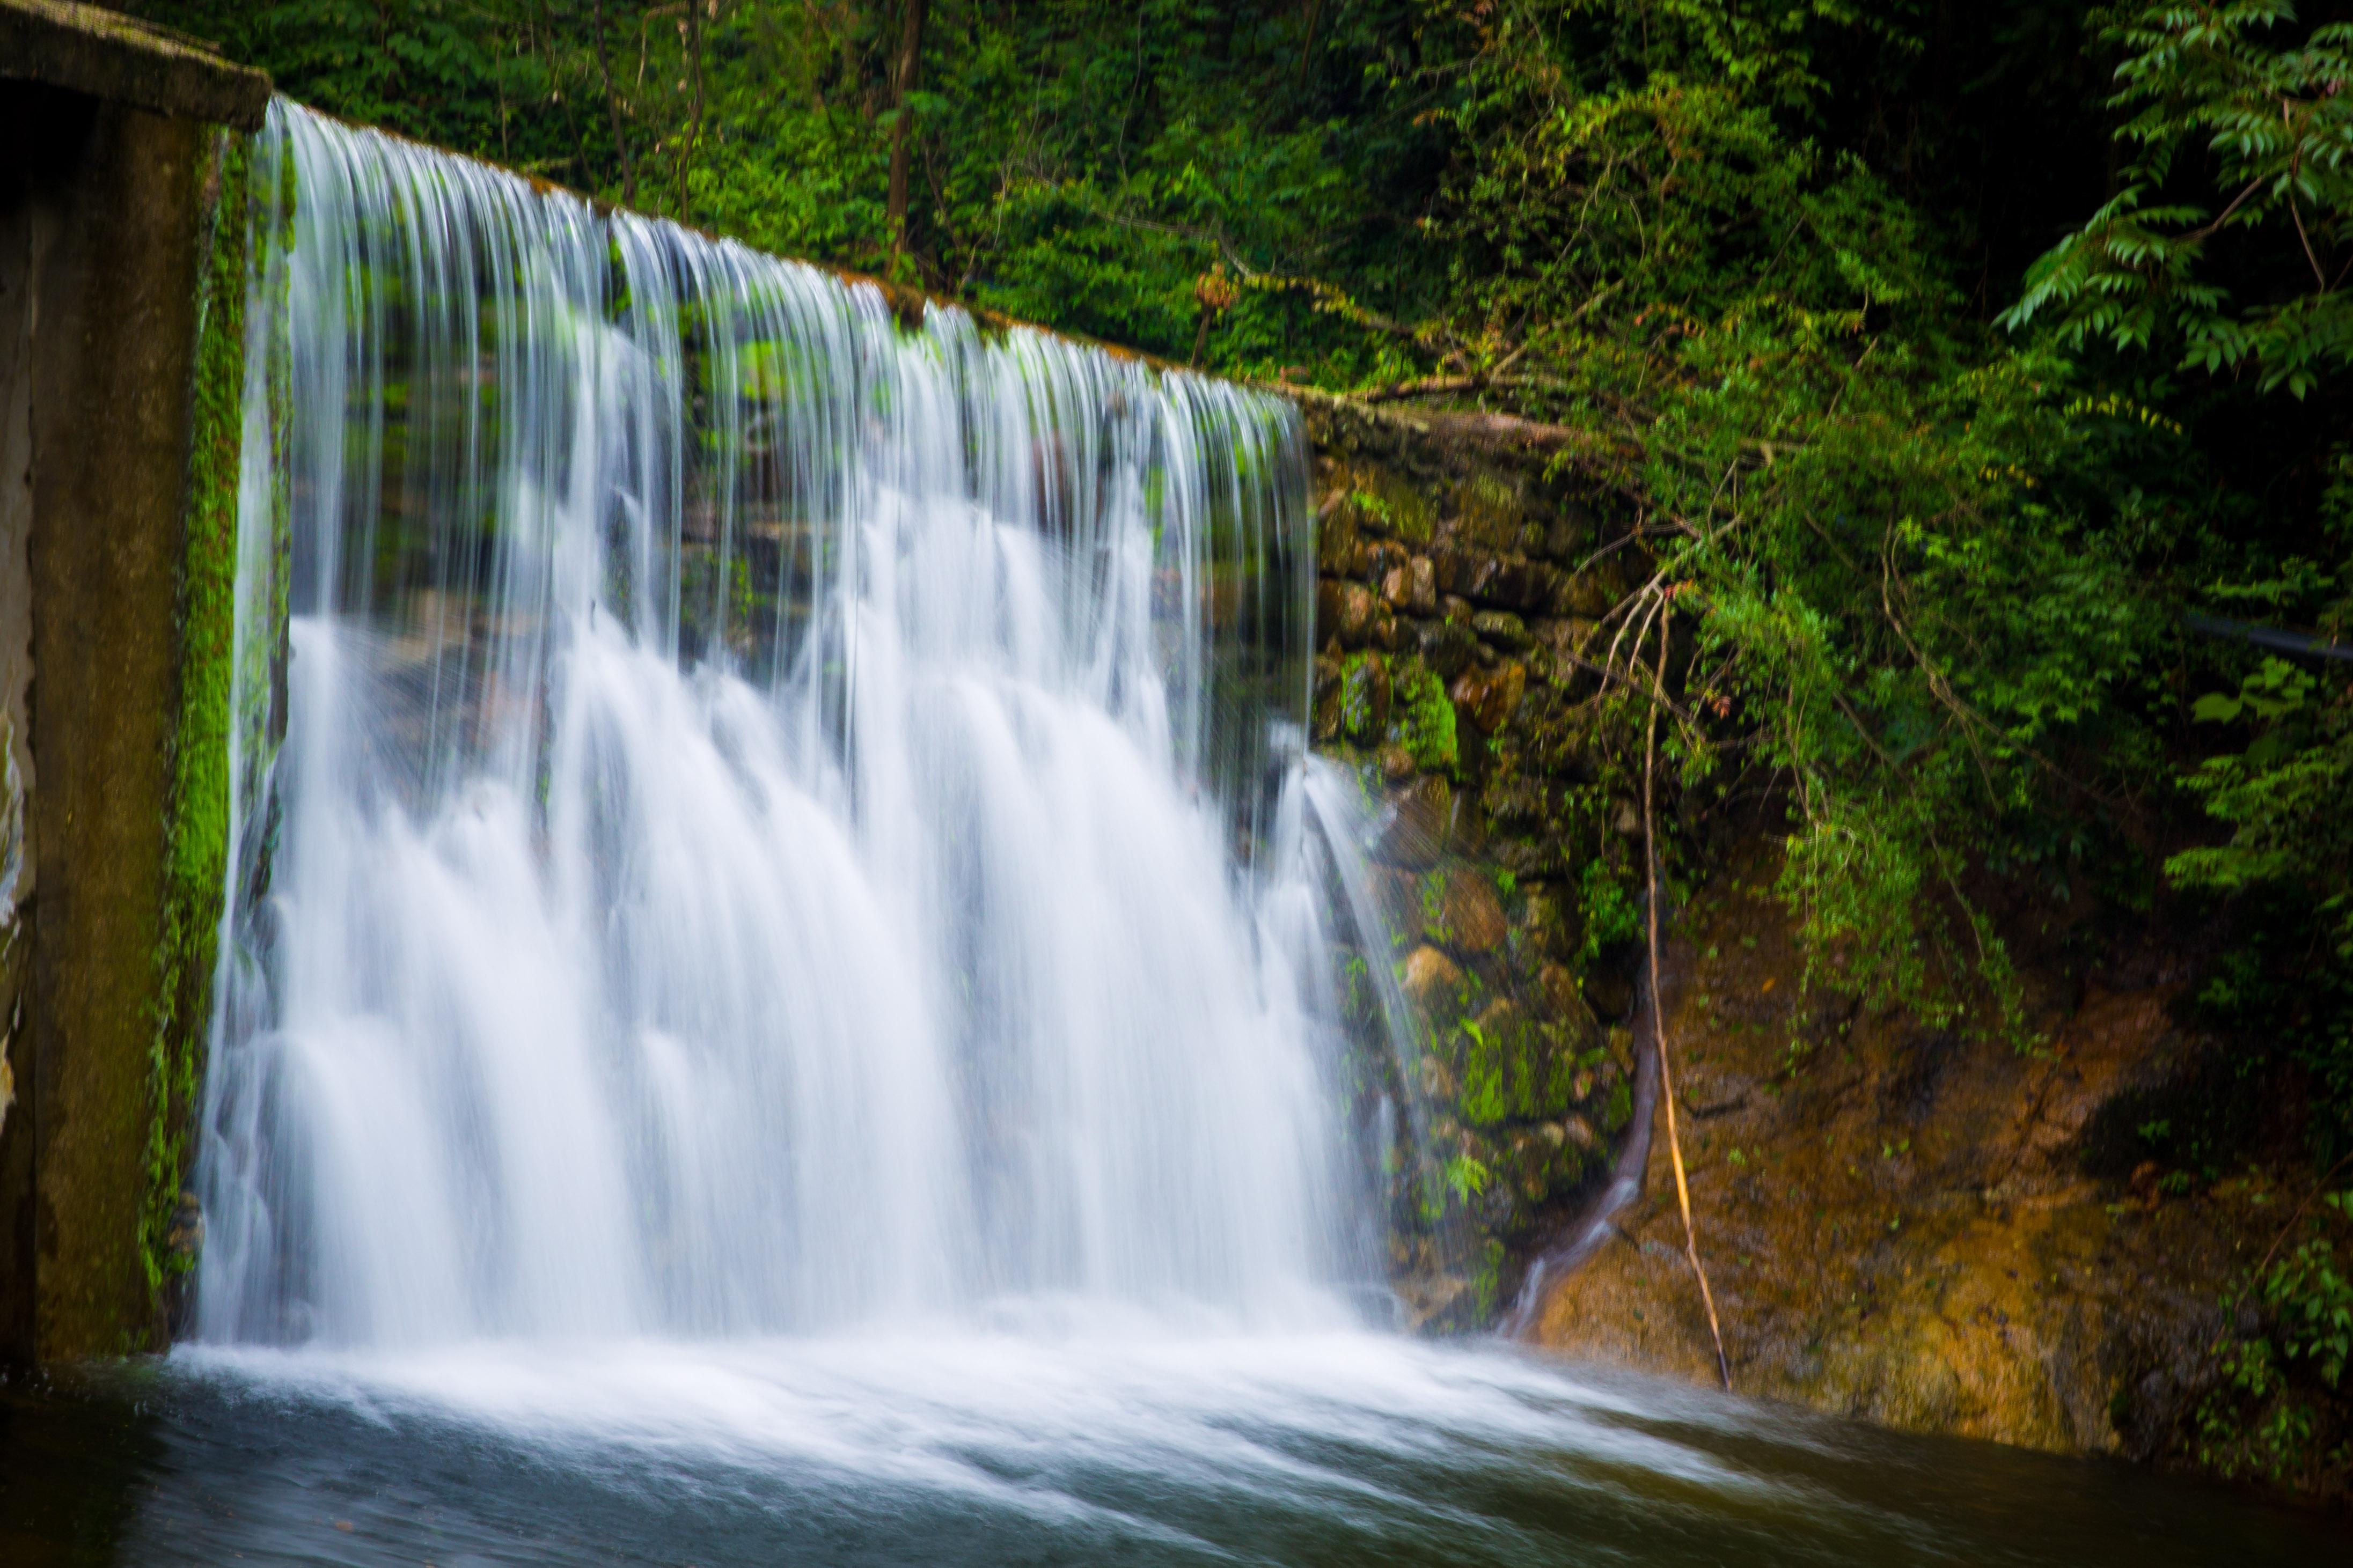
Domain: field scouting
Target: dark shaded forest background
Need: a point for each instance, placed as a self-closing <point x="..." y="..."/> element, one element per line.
<point x="1976" y="373"/>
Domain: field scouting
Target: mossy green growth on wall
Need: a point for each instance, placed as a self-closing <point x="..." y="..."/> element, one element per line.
<point x="1513" y="1070"/>
<point x="198" y="822"/>
<point x="1364" y="698"/>
<point x="1423" y="718"/>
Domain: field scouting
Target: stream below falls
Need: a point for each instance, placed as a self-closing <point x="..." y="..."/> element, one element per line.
<point x="1040" y="1444"/>
<point x="790" y="993"/>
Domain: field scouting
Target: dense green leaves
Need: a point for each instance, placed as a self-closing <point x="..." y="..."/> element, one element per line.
<point x="2219" y="104"/>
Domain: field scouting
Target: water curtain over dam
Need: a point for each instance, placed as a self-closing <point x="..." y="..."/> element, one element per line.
<point x="782" y="820"/>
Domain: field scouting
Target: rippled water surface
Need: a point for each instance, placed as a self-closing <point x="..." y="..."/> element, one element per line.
<point x="1036" y="1446"/>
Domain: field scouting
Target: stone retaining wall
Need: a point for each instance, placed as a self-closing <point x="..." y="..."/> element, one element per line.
<point x="1459" y="594"/>
<point x="119" y="360"/>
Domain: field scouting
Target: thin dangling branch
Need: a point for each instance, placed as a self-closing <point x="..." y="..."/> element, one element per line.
<point x="1658" y="1015"/>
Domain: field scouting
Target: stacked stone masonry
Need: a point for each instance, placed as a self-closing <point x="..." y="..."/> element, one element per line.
<point x="1461" y="583"/>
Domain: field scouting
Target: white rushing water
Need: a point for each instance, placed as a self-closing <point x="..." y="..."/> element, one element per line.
<point x="783" y="821"/>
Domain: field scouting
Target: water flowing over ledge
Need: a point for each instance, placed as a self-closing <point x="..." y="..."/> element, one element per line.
<point x="781" y="821"/>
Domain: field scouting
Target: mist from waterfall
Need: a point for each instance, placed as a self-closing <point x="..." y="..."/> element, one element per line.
<point x="784" y="820"/>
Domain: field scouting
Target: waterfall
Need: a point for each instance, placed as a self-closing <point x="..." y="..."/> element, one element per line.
<point x="782" y="820"/>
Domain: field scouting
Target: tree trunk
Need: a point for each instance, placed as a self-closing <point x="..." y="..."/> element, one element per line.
<point x="613" y="109"/>
<point x="910" y="75"/>
<point x="694" y="76"/>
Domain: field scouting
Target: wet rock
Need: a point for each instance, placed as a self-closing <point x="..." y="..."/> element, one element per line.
<point x="1432" y="982"/>
<point x="1502" y="1019"/>
<point x="1558" y="983"/>
<point x="1618" y="1042"/>
<point x="185" y="1240"/>
<point x="1399" y="893"/>
<point x="1570" y="534"/>
<point x="1335" y="535"/>
<point x="1489" y="698"/>
<point x="1523" y="585"/>
<point x="1449" y="648"/>
<point x="1474" y="916"/>
<point x="1396" y="764"/>
<point x="1425" y="1296"/>
<point x="1469" y="835"/>
<point x="1325" y="714"/>
<point x="1424" y="813"/>
<point x="1963" y="1272"/>
<point x="1344" y="610"/>
<point x="1511" y="582"/>
<point x="1410" y="586"/>
<point x="1421" y="587"/>
<point x="1503" y="628"/>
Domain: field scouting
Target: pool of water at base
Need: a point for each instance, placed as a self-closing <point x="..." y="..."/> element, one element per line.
<point x="968" y="1446"/>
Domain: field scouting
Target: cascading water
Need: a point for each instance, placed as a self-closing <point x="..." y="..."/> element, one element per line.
<point x="780" y="954"/>
<point x="780" y="818"/>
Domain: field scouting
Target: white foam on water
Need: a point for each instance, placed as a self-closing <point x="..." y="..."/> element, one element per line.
<point x="1005" y="1417"/>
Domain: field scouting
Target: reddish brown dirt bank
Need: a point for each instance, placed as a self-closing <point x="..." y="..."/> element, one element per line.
<point x="1917" y="1228"/>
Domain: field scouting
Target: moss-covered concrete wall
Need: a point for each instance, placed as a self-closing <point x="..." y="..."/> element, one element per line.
<point x="1460" y="580"/>
<point x="122" y="290"/>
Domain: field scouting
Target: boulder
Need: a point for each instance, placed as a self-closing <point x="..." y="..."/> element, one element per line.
<point x="1423" y="814"/>
<point x="1489" y="698"/>
<point x="1432" y="982"/>
<point x="1344" y="610"/>
<point x="1475" y="915"/>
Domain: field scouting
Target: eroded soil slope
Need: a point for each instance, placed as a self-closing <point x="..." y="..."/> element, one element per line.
<point x="1923" y="1229"/>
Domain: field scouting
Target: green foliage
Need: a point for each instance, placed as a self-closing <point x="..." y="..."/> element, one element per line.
<point x="2312" y="1302"/>
<point x="2270" y="1411"/>
<point x="1362" y="696"/>
<point x="1485" y="1097"/>
<point x="1086" y="165"/>
<point x="1466" y="1178"/>
<point x="1611" y="912"/>
<point x="2277" y="690"/>
<point x="2287" y="862"/>
<point x="1423" y="718"/>
<point x="2275" y="131"/>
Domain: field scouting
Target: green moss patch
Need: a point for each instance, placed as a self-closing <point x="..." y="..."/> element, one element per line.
<point x="1422" y="717"/>
<point x="197" y="821"/>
